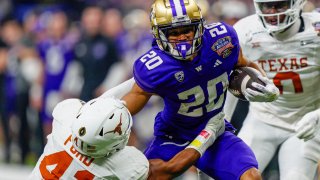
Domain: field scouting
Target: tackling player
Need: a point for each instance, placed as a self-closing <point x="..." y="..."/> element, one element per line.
<point x="285" y="43"/>
<point x="189" y="66"/>
<point x="88" y="141"/>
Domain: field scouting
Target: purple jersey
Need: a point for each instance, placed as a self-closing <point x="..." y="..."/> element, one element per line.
<point x="193" y="91"/>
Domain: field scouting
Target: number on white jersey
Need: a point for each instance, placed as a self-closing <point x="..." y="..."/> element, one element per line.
<point x="60" y="161"/>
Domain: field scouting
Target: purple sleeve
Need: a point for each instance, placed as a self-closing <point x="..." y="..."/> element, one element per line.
<point x="234" y="37"/>
<point x="221" y="41"/>
<point x="235" y="41"/>
<point x="149" y="76"/>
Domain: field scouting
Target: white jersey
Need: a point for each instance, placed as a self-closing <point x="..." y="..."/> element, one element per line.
<point x="293" y="64"/>
<point x="61" y="161"/>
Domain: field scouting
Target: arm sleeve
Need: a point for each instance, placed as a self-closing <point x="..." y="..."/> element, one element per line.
<point x="120" y="90"/>
<point x="230" y="106"/>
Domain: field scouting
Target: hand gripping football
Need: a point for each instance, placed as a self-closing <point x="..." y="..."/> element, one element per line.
<point x="242" y="78"/>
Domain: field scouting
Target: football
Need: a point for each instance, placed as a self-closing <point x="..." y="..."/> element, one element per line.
<point x="242" y="78"/>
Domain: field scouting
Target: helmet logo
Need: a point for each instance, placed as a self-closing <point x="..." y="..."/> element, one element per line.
<point x="82" y="131"/>
<point x="178" y="8"/>
<point x="117" y="129"/>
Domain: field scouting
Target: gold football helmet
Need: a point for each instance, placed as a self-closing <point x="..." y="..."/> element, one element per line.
<point x="168" y="14"/>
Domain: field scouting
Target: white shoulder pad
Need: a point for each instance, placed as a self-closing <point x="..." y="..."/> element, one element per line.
<point x="248" y="24"/>
<point x="313" y="16"/>
<point x="66" y="110"/>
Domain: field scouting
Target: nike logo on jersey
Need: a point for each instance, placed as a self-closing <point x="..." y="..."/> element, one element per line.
<point x="217" y="63"/>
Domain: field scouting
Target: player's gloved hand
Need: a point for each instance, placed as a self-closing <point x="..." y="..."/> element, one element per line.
<point x="266" y="93"/>
<point x="308" y="126"/>
<point x="214" y="128"/>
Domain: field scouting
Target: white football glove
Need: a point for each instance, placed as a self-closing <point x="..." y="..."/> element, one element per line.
<point x="268" y="93"/>
<point x="214" y="128"/>
<point x="307" y="127"/>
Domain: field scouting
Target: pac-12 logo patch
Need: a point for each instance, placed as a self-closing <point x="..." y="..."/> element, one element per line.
<point x="223" y="46"/>
<point x="179" y="76"/>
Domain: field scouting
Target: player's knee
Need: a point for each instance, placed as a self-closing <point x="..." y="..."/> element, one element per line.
<point x="251" y="174"/>
<point x="295" y="175"/>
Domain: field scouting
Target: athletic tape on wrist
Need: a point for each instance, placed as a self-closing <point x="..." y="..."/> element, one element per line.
<point x="201" y="141"/>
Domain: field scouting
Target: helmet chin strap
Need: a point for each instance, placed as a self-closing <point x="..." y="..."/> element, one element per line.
<point x="183" y="48"/>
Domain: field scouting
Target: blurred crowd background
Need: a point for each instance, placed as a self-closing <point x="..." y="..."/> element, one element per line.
<point x="51" y="50"/>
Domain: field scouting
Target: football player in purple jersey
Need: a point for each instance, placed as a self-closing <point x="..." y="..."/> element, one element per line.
<point x="188" y="66"/>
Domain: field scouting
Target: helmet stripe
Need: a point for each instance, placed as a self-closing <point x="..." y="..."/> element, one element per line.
<point x="178" y="8"/>
<point x="173" y="9"/>
<point x="184" y="11"/>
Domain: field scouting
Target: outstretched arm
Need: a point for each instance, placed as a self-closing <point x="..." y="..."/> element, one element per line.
<point x="136" y="99"/>
<point x="133" y="96"/>
<point x="120" y="90"/>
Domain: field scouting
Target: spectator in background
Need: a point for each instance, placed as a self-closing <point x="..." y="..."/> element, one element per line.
<point x="3" y="118"/>
<point x="35" y="70"/>
<point x="112" y="23"/>
<point x="309" y="7"/>
<point x="112" y="27"/>
<point x="230" y="11"/>
<point x="137" y="37"/>
<point x="56" y="51"/>
<point x="95" y="52"/>
<point x="22" y="72"/>
<point x="5" y="9"/>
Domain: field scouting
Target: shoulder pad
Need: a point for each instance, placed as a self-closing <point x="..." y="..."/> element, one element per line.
<point x="152" y="69"/>
<point x="66" y="110"/>
<point x="215" y="31"/>
<point x="221" y="40"/>
<point x="313" y="16"/>
<point x="243" y="23"/>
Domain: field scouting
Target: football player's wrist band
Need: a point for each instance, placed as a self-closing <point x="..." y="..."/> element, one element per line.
<point x="202" y="141"/>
